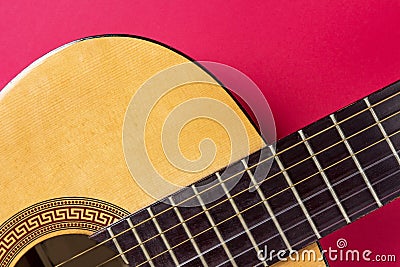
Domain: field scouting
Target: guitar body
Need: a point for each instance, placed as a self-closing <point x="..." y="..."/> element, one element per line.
<point x="62" y="163"/>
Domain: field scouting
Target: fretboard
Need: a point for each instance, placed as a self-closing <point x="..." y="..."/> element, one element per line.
<point x="322" y="178"/>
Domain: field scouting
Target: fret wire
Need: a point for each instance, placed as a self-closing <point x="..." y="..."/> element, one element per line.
<point x="323" y="150"/>
<point x="267" y="198"/>
<point x="293" y="184"/>
<point x="299" y="222"/>
<point x="330" y="127"/>
<point x="280" y="152"/>
<point x="295" y="193"/>
<point x="297" y="182"/>
<point x="188" y="233"/>
<point x="342" y="181"/>
<point x="214" y="226"/>
<point x="304" y="220"/>
<point x="369" y="205"/>
<point x="325" y="209"/>
<point x="289" y="168"/>
<point x="382" y="129"/>
<point x="238" y="234"/>
<point x="116" y="244"/>
<point x="297" y="163"/>
<point x="267" y="206"/>
<point x="161" y="233"/>
<point x="350" y="150"/>
<point x="324" y="177"/>
<point x="333" y="224"/>
<point x="145" y="252"/>
<point x="352" y="175"/>
<point x="239" y="215"/>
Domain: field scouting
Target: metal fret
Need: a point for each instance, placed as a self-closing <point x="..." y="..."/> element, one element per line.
<point x="196" y="247"/>
<point x="265" y="202"/>
<point x="211" y="220"/>
<point x="145" y="252"/>
<point x="295" y="193"/>
<point x="246" y="229"/>
<point x="382" y="129"/>
<point x="359" y="167"/>
<point x="163" y="237"/>
<point x="119" y="249"/>
<point x="321" y="171"/>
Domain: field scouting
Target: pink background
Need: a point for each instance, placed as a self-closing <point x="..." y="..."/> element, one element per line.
<point x="310" y="58"/>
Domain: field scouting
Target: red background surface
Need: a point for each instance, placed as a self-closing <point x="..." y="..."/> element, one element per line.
<point x="310" y="58"/>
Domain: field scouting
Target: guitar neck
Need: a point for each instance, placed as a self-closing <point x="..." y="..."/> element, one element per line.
<point x="310" y="184"/>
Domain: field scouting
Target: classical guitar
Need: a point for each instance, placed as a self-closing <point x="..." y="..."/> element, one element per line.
<point x="69" y="195"/>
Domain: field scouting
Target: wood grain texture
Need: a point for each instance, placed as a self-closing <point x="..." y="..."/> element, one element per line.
<point x="61" y="125"/>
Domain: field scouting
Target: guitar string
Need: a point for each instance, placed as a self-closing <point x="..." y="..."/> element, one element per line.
<point x="118" y="255"/>
<point x="302" y="221"/>
<point x="78" y="255"/>
<point x="280" y="214"/>
<point x="319" y="212"/>
<point x="328" y="227"/>
<point x="249" y="168"/>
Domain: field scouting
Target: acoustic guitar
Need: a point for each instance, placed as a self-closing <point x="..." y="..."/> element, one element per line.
<point x="71" y="146"/>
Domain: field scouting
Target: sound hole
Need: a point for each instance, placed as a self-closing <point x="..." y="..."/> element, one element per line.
<point x="55" y="250"/>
